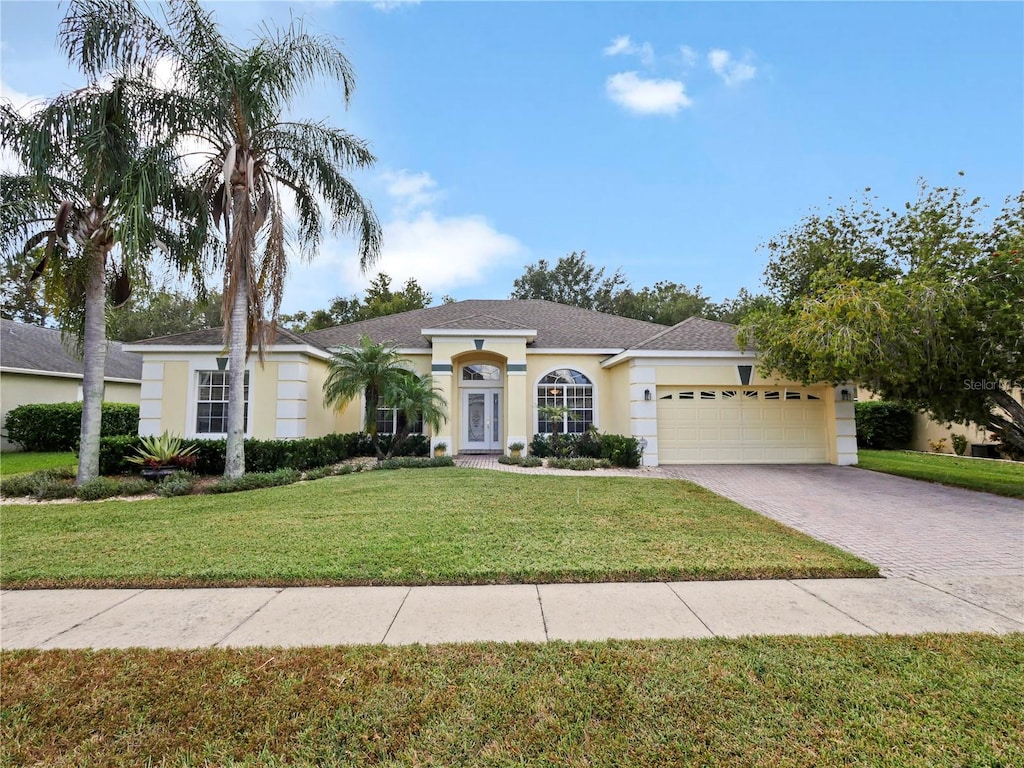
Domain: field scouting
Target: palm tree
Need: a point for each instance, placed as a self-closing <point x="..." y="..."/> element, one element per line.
<point x="233" y="100"/>
<point x="96" y="192"/>
<point x="369" y="370"/>
<point x="414" y="397"/>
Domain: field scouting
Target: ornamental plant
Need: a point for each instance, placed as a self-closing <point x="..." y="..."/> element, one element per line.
<point x="164" y="450"/>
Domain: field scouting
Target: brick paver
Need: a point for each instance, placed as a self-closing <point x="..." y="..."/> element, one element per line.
<point x="906" y="527"/>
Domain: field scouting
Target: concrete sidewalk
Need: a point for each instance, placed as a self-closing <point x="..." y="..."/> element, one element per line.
<point x="199" y="618"/>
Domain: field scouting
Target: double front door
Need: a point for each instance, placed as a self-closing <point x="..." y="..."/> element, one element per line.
<point x="481" y="420"/>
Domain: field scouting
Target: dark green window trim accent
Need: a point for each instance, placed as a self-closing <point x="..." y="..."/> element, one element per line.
<point x="516" y="367"/>
<point x="222" y="363"/>
<point x="745" y="371"/>
<point x="478" y="343"/>
<point x="441" y="368"/>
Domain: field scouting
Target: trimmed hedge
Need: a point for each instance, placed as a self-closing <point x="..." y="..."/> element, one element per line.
<point x="58" y="426"/>
<point x="882" y="424"/>
<point x="620" y="450"/>
<point x="264" y="455"/>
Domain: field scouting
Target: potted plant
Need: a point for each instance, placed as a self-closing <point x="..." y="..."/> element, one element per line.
<point x="440" y="449"/>
<point x="515" y="450"/>
<point x="163" y="455"/>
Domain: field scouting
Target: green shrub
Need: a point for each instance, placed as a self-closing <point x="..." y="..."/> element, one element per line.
<point x="177" y="484"/>
<point x="959" y="444"/>
<point x="44" y="483"/>
<point x="510" y="460"/>
<point x="317" y="473"/>
<point x="252" y="480"/>
<point x="531" y="461"/>
<point x="579" y="463"/>
<point x="99" y="488"/>
<point x="58" y="426"/>
<point x="136" y="487"/>
<point x="619" y="450"/>
<point x="415" y="462"/>
<point x="885" y="425"/>
<point x="56" y="489"/>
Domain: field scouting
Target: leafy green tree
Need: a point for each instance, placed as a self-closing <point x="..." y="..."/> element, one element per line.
<point x="19" y="299"/>
<point x="572" y="280"/>
<point x="232" y="101"/>
<point x="923" y="306"/>
<point x="666" y="302"/>
<point x="379" y="301"/>
<point x="96" y="193"/>
<point x="735" y="310"/>
<point x="152" y="313"/>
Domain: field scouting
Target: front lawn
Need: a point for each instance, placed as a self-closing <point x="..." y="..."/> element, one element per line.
<point x="1005" y="478"/>
<point x="929" y="700"/>
<point x="438" y="526"/>
<point x="27" y="461"/>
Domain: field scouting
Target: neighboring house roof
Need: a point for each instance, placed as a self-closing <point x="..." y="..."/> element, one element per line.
<point x="31" y="348"/>
<point x="558" y="326"/>
<point x="694" y="334"/>
<point x="214" y="337"/>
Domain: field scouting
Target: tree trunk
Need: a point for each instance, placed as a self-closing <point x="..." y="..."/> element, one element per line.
<point x="234" y="460"/>
<point x="94" y="352"/>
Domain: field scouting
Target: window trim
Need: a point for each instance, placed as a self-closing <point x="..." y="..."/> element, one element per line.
<point x="209" y="363"/>
<point x="593" y="395"/>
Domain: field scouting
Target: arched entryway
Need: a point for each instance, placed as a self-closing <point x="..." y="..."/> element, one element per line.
<point x="481" y="404"/>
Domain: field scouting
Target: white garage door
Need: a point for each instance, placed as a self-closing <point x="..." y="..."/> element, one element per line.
<point x="740" y="426"/>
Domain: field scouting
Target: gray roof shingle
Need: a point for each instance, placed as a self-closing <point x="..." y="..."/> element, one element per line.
<point x="694" y="334"/>
<point x="558" y="326"/>
<point x="32" y="348"/>
<point x="214" y="337"/>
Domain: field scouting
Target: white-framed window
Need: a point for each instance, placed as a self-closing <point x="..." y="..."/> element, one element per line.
<point x="571" y="392"/>
<point x="389" y="420"/>
<point x="212" y="402"/>
<point x="482" y="372"/>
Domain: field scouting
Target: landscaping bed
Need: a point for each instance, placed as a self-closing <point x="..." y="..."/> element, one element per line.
<point x="448" y="526"/>
<point x="1005" y="478"/>
<point x="931" y="700"/>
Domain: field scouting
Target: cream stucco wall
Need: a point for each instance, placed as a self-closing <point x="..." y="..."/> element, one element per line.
<point x="23" y="388"/>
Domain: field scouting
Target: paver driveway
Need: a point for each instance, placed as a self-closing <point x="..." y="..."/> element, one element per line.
<point x="906" y="527"/>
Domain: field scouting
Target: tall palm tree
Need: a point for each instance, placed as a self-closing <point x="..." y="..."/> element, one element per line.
<point x="368" y="370"/>
<point x="251" y="155"/>
<point x="96" y="193"/>
<point x="414" y="397"/>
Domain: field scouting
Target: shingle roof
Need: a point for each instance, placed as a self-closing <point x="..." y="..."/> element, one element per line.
<point x="41" y="349"/>
<point x="695" y="334"/>
<point x="215" y="337"/>
<point x="558" y="326"/>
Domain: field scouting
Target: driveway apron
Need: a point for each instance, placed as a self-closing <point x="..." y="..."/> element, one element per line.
<point x="906" y="527"/>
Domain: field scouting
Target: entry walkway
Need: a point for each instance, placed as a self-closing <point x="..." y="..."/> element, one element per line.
<point x="198" y="618"/>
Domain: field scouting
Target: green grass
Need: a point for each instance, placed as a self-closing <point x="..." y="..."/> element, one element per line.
<point x="1001" y="477"/>
<point x="13" y="463"/>
<point x="443" y="526"/>
<point x="929" y="700"/>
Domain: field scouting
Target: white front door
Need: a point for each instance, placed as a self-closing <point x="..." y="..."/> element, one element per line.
<point x="481" y="420"/>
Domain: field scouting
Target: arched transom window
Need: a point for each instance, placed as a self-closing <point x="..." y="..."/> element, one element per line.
<point x="481" y="372"/>
<point x="565" y="402"/>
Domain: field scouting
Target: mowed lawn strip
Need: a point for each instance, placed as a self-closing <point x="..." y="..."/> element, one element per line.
<point x="437" y="526"/>
<point x="1005" y="478"/>
<point x="13" y="463"/>
<point x="928" y="700"/>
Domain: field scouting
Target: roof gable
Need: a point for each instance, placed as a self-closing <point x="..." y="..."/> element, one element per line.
<point x="694" y="334"/>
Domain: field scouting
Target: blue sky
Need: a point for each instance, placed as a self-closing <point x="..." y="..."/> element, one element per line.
<point x="666" y="139"/>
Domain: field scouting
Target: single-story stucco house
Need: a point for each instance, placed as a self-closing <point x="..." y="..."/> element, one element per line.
<point x="688" y="392"/>
<point x="35" y="367"/>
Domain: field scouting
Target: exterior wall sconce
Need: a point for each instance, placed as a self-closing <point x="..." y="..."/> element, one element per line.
<point x="846" y="395"/>
<point x="647" y="394"/>
<point x="642" y="442"/>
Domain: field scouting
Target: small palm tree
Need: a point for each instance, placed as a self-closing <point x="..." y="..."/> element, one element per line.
<point x="230" y="103"/>
<point x="96" y="193"/>
<point x="367" y="370"/>
<point x="414" y="397"/>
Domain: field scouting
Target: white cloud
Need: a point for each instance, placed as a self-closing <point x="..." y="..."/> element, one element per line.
<point x="731" y="71"/>
<point x="387" y="6"/>
<point x="24" y="103"/>
<point x="689" y="55"/>
<point x="624" y="46"/>
<point x="647" y="96"/>
<point x="410" y="191"/>
<point x="442" y="252"/>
